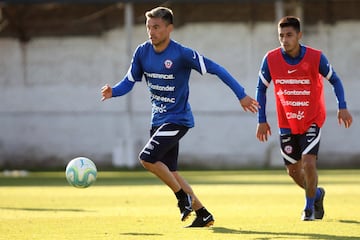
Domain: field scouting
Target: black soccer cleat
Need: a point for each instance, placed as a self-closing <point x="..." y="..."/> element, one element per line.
<point x="319" y="205"/>
<point x="202" y="221"/>
<point x="308" y="215"/>
<point x="185" y="206"/>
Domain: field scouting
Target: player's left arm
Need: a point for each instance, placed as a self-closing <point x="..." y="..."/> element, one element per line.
<point x="326" y="70"/>
<point x="248" y="103"/>
<point x="204" y="65"/>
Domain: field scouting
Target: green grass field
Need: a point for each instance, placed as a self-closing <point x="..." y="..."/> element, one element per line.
<point x="135" y="205"/>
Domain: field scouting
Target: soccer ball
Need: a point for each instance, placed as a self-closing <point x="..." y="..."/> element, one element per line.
<point x="81" y="172"/>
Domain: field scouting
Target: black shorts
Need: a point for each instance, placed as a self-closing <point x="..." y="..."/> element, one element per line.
<point x="293" y="146"/>
<point x="163" y="145"/>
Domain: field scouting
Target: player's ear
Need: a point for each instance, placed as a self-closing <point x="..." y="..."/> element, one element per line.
<point x="170" y="28"/>
<point x="299" y="35"/>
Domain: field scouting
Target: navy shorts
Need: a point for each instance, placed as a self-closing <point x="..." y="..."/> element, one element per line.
<point x="163" y="145"/>
<point x="293" y="146"/>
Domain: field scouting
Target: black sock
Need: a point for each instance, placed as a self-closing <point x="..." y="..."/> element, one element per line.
<point x="202" y="212"/>
<point x="180" y="194"/>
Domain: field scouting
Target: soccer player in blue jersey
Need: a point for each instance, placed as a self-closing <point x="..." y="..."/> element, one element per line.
<point x="166" y="66"/>
<point x="297" y="72"/>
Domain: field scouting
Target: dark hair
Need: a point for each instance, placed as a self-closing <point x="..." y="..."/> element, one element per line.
<point x="290" y="21"/>
<point x="161" y="12"/>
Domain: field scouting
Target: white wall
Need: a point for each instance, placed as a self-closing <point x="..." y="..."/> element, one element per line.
<point x="50" y="107"/>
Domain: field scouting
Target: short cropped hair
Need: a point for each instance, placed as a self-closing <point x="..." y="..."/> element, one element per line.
<point x="290" y="21"/>
<point x="164" y="13"/>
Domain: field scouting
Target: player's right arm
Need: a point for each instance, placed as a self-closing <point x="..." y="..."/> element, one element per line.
<point x="133" y="75"/>
<point x="119" y="89"/>
<point x="263" y="128"/>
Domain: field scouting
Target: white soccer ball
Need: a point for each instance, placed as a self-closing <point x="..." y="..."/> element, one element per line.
<point x="81" y="172"/>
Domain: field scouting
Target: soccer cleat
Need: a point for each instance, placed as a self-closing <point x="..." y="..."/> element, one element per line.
<point x="308" y="215"/>
<point x="319" y="205"/>
<point x="202" y="221"/>
<point x="185" y="206"/>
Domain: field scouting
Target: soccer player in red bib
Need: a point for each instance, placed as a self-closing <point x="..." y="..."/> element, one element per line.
<point x="297" y="72"/>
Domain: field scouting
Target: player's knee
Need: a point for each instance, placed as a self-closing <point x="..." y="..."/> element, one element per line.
<point x="293" y="172"/>
<point x="309" y="168"/>
<point x="309" y="162"/>
<point x="146" y="164"/>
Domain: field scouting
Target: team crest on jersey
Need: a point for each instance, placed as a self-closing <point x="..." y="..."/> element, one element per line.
<point x="168" y="63"/>
<point x="288" y="149"/>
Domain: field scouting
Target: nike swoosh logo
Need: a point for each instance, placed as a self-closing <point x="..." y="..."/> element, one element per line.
<point x="292" y="71"/>
<point x="311" y="139"/>
<point x="194" y="56"/>
<point x="206" y="218"/>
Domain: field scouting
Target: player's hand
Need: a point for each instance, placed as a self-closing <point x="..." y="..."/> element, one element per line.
<point x="249" y="104"/>
<point x="106" y="92"/>
<point x="263" y="131"/>
<point x="345" y="117"/>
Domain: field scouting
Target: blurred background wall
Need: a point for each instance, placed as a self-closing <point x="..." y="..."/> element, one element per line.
<point x="56" y="55"/>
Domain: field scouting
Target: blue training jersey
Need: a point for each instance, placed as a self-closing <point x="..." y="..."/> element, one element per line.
<point x="167" y="76"/>
<point x="325" y="69"/>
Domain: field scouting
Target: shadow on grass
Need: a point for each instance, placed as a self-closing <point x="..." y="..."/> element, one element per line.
<point x="271" y="235"/>
<point x="124" y="181"/>
<point x="140" y="234"/>
<point x="46" y="209"/>
<point x="349" y="221"/>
